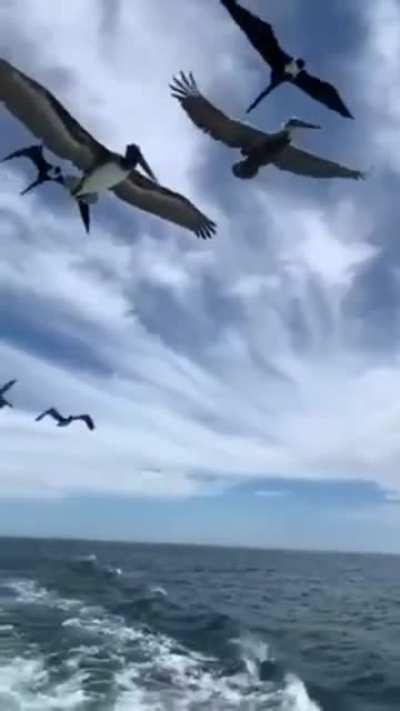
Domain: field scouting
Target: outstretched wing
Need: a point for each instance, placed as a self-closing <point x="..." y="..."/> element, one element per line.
<point x="323" y="92"/>
<point x="46" y="117"/>
<point x="147" y="195"/>
<point x="34" y="153"/>
<point x="210" y="119"/>
<point x="7" y="386"/>
<point x="296" y="161"/>
<point x="259" y="33"/>
<point x="86" y="419"/>
<point x="52" y="412"/>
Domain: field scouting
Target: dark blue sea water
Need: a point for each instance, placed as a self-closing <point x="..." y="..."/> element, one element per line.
<point x="101" y="626"/>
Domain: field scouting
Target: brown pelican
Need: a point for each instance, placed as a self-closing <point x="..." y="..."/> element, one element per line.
<point x="284" y="68"/>
<point x="259" y="148"/>
<point x="46" y="172"/>
<point x="65" y="421"/>
<point x="3" y="389"/>
<point x="102" y="169"/>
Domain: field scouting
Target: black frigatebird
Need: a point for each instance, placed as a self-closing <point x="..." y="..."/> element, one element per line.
<point x="46" y="172"/>
<point x="284" y="68"/>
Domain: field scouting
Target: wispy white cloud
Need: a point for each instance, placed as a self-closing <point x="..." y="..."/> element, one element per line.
<point x="239" y="358"/>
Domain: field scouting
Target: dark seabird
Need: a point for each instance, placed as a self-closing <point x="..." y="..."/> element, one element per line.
<point x="49" y="120"/>
<point x="284" y="68"/>
<point x="46" y="172"/>
<point x="65" y="421"/>
<point x="3" y="401"/>
<point x="258" y="147"/>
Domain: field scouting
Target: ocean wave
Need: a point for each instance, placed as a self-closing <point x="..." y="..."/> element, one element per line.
<point x="29" y="592"/>
<point x="25" y="685"/>
<point x="90" y="565"/>
<point x="158" y="591"/>
<point x="119" y="665"/>
<point x="167" y="675"/>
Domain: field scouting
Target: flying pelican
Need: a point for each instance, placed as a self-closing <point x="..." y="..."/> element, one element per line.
<point x="65" y="421"/>
<point x="283" y="66"/>
<point x="102" y="169"/>
<point x="259" y="148"/>
<point x="46" y="172"/>
<point x="3" y="389"/>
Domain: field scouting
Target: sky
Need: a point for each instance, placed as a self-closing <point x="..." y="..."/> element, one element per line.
<point x="246" y="389"/>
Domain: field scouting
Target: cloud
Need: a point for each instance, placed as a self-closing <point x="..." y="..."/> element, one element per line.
<point x="271" y="493"/>
<point x="254" y="355"/>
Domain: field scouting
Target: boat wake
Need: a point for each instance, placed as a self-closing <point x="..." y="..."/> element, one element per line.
<point x="102" y="660"/>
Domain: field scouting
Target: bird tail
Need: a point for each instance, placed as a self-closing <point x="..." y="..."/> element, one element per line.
<point x="84" y="211"/>
<point x="271" y="86"/>
<point x="33" y="185"/>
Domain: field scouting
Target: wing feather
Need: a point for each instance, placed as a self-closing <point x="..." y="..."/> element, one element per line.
<point x="46" y="117"/>
<point x="210" y="119"/>
<point x="259" y="33"/>
<point x="7" y="386"/>
<point x="296" y="161"/>
<point x="323" y="92"/>
<point x="147" y="195"/>
<point x="52" y="412"/>
<point x="86" y="419"/>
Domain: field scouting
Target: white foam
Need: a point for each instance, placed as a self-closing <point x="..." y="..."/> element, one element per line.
<point x="165" y="676"/>
<point x="253" y="651"/>
<point x="89" y="558"/>
<point x="188" y="680"/>
<point x="296" y="697"/>
<point x="158" y="591"/>
<point x="25" y="686"/>
<point x="30" y="593"/>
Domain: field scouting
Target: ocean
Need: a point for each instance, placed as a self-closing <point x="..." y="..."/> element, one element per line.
<point x="129" y="627"/>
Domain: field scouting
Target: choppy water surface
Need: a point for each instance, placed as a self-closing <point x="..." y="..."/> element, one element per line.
<point x="112" y="627"/>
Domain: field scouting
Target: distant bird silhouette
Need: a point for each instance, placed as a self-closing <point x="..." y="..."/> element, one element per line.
<point x="3" y="401"/>
<point x="46" y="117"/>
<point x="284" y="68"/>
<point x="50" y="173"/>
<point x="258" y="147"/>
<point x="65" y="421"/>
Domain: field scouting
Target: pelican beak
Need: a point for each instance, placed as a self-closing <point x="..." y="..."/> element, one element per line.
<point x="147" y="168"/>
<point x="304" y="124"/>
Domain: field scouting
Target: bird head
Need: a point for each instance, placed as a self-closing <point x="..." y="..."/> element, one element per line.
<point x="134" y="155"/>
<point x="295" y="124"/>
<point x="300" y="63"/>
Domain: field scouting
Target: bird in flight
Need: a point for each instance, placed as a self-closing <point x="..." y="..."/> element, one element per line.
<point x="284" y="68"/>
<point x="46" y="172"/>
<point x="65" y="421"/>
<point x="258" y="147"/>
<point x="45" y="116"/>
<point x="3" y="401"/>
